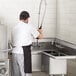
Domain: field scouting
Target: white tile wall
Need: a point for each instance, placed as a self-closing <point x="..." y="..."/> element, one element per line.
<point x="67" y="20"/>
<point x="66" y="16"/>
<point x="10" y="9"/>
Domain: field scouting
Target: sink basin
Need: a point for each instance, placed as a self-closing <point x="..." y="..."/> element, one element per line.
<point x="58" y="54"/>
<point x="55" y="53"/>
<point x="50" y="52"/>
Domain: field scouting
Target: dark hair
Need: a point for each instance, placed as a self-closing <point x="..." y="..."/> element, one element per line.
<point x="24" y="15"/>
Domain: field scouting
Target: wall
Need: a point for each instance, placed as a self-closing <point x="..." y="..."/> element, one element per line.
<point x="66" y="20"/>
<point x="10" y="9"/>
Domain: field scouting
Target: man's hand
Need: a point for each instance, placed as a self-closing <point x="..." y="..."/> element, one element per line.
<point x="40" y="35"/>
<point x="40" y="31"/>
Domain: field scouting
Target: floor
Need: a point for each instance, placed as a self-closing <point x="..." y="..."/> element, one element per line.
<point x="39" y="74"/>
<point x="44" y="74"/>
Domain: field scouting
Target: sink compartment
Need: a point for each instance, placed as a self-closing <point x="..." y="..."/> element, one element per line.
<point x="55" y="53"/>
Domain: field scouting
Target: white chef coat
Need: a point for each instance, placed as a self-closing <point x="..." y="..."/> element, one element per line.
<point x="22" y="35"/>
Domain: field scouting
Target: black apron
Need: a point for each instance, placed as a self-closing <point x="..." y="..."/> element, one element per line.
<point x="27" y="59"/>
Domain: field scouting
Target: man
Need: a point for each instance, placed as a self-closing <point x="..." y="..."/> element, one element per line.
<point x="22" y="36"/>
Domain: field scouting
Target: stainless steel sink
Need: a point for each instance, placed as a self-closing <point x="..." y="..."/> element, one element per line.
<point x="55" y="51"/>
<point x="58" y="55"/>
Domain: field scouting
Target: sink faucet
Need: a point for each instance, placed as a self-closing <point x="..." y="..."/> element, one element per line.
<point x="35" y="44"/>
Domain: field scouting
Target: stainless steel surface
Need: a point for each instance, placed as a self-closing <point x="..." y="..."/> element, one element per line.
<point x="45" y="63"/>
<point x="3" y="37"/>
<point x="58" y="55"/>
<point x="55" y="51"/>
<point x="42" y="46"/>
<point x="36" y="61"/>
<point x="53" y="66"/>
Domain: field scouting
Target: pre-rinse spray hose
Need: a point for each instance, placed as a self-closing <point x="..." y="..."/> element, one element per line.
<point x="40" y="25"/>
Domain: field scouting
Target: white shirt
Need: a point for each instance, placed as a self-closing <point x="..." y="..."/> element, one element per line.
<point x="22" y="35"/>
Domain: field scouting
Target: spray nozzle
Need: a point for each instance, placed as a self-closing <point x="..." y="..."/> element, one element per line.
<point x="40" y="27"/>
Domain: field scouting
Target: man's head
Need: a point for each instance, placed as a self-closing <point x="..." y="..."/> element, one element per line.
<point x="24" y="15"/>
